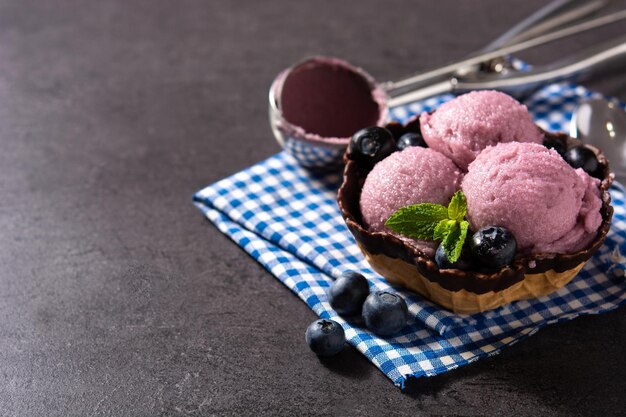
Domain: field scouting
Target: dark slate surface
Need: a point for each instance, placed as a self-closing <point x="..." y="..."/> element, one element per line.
<point x="118" y="298"/>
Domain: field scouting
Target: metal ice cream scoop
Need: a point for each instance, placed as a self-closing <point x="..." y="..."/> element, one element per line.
<point x="304" y="90"/>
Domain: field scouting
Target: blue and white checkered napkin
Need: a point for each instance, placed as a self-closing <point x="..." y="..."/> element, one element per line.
<point x="288" y="220"/>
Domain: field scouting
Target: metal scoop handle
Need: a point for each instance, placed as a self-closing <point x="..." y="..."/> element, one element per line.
<point x="555" y="14"/>
<point x="415" y="87"/>
<point x="600" y="58"/>
<point x="603" y="57"/>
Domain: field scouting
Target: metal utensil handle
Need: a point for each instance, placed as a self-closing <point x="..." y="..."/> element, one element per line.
<point x="407" y="85"/>
<point x="555" y="14"/>
<point x="598" y="58"/>
<point x="603" y="57"/>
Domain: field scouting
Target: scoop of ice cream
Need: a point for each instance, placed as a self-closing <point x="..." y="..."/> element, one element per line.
<point x="412" y="176"/>
<point x="533" y="192"/>
<point x="461" y="128"/>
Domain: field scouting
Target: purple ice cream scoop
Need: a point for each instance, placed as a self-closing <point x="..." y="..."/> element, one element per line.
<point x="461" y="128"/>
<point x="529" y="189"/>
<point x="412" y="176"/>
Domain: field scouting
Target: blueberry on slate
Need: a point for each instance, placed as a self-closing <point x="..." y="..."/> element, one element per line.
<point x="554" y="143"/>
<point x="385" y="313"/>
<point x="325" y="337"/>
<point x="411" y="139"/>
<point x="370" y="145"/>
<point x="582" y="157"/>
<point x="347" y="294"/>
<point x="442" y="261"/>
<point x="493" y="246"/>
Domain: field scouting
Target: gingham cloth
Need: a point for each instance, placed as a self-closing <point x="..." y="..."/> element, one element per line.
<point x="287" y="219"/>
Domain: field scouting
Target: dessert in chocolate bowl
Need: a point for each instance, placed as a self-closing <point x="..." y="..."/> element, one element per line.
<point x="521" y="218"/>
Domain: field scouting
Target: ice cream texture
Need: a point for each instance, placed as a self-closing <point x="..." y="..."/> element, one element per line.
<point x="548" y="206"/>
<point x="461" y="128"/>
<point x="412" y="176"/>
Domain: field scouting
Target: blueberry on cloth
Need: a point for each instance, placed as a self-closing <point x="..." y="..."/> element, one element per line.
<point x="493" y="246"/>
<point x="411" y="139"/>
<point x="385" y="313"/>
<point x="348" y="293"/>
<point x="325" y="337"/>
<point x="582" y="157"/>
<point x="371" y="145"/>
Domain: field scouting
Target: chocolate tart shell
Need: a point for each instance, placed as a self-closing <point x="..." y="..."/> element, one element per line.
<point x="466" y="291"/>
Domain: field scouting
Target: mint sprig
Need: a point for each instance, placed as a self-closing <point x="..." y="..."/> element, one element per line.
<point x="429" y="221"/>
<point x="419" y="220"/>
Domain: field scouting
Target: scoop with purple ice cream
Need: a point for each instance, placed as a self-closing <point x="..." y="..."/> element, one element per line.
<point x="412" y="176"/>
<point x="548" y="206"/>
<point x="461" y="128"/>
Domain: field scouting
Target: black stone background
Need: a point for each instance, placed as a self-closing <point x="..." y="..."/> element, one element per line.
<point x="118" y="298"/>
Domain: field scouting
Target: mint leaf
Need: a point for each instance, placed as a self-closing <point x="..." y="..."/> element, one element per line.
<point x="442" y="229"/>
<point x="417" y="221"/>
<point x="435" y="222"/>
<point x="454" y="240"/>
<point x="457" y="207"/>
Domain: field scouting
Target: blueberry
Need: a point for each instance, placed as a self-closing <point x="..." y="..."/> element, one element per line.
<point x="348" y="293"/>
<point x="493" y="246"/>
<point x="325" y="337"/>
<point x="411" y="139"/>
<point x="385" y="313"/>
<point x="582" y="157"/>
<point x="442" y="261"/>
<point x="370" y="145"/>
<point x="554" y="143"/>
